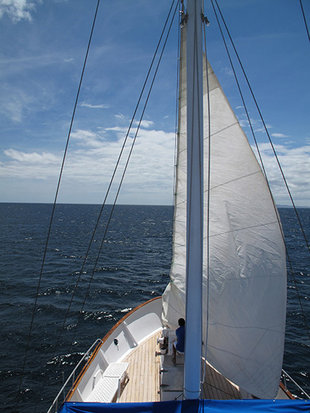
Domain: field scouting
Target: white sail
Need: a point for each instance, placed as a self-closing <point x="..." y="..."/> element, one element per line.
<point x="245" y="296"/>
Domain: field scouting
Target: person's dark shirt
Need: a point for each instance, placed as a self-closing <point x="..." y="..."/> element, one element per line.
<point x="180" y="333"/>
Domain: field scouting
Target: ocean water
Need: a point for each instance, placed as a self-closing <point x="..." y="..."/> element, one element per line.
<point x="132" y="268"/>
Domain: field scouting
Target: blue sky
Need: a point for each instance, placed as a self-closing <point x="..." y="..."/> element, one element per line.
<point x="42" y="47"/>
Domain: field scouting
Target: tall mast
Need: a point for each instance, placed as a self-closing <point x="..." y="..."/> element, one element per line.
<point x="194" y="222"/>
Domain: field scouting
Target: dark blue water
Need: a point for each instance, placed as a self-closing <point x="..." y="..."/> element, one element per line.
<point x="133" y="267"/>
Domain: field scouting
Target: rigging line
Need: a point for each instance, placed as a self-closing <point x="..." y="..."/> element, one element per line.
<point x="240" y="91"/>
<point x="56" y="196"/>
<point x="267" y="133"/>
<point x="248" y="117"/>
<point x="129" y="156"/>
<point x="304" y="16"/>
<point x="208" y="197"/>
<point x="113" y="174"/>
<point x="249" y="120"/>
<point x="278" y="218"/>
<point x="127" y="162"/>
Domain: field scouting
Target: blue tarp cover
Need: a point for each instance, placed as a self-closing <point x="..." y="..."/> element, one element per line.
<point x="190" y="406"/>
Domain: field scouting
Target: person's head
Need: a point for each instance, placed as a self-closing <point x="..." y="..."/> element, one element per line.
<point x="181" y="322"/>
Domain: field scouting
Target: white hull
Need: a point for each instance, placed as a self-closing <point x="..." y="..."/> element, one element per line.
<point x="134" y="329"/>
<point x="142" y="377"/>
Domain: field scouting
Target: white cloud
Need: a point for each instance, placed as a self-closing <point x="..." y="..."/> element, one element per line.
<point x="26" y="94"/>
<point x="149" y="177"/>
<point x="14" y="103"/>
<point x="257" y="124"/>
<point x="145" y="123"/>
<point x="90" y="106"/>
<point x="32" y="157"/>
<point x="279" y="135"/>
<point x="262" y="128"/>
<point x="86" y="138"/>
<point x="296" y="167"/>
<point x="17" y="9"/>
<point x="116" y="128"/>
<point x="120" y="132"/>
<point x="29" y="166"/>
<point x="227" y="71"/>
<point x="120" y="116"/>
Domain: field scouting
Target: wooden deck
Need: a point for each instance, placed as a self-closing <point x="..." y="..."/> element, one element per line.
<point x="143" y="373"/>
<point x="217" y="387"/>
<point x="154" y="378"/>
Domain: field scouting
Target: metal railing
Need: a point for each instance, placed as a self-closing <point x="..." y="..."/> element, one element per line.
<point x="287" y="378"/>
<point x="71" y="377"/>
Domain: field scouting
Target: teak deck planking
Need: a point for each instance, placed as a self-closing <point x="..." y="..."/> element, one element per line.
<point x="144" y="377"/>
<point x="143" y="373"/>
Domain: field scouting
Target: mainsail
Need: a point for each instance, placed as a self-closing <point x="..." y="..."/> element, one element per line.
<point x="244" y="285"/>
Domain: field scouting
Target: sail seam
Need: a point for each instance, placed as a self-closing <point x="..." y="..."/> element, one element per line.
<point x="216" y="133"/>
<point x="234" y="180"/>
<point x="266" y="131"/>
<point x="221" y="130"/>
<point x="244" y="228"/>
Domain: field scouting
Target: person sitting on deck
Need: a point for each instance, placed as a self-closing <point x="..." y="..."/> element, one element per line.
<point x="178" y="345"/>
